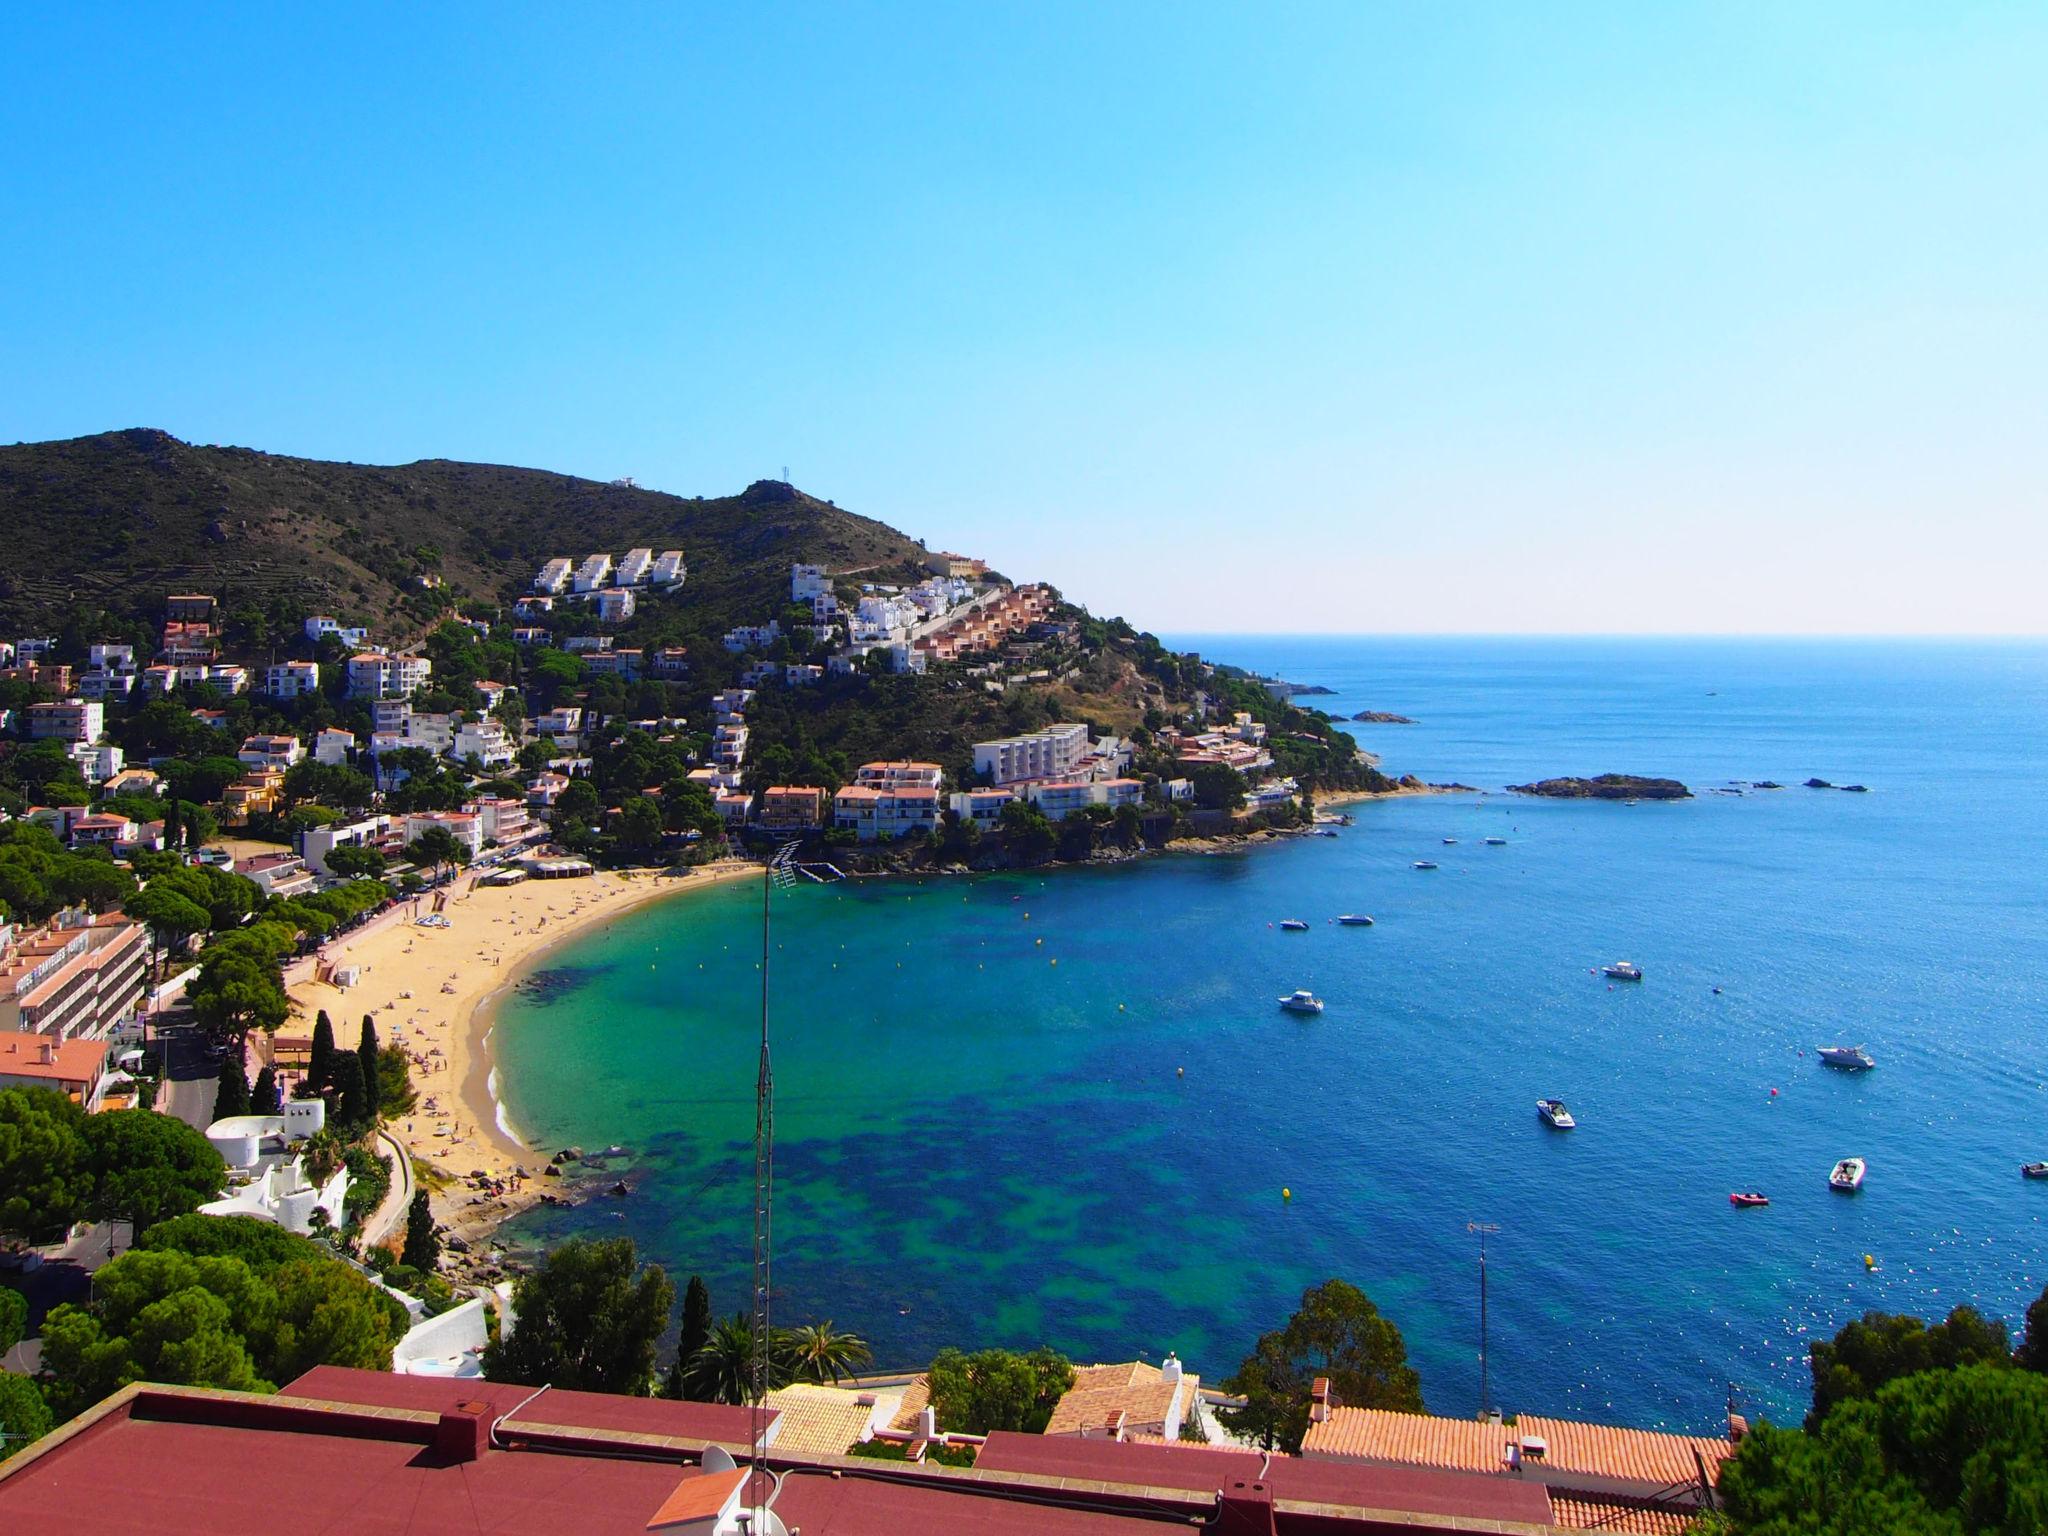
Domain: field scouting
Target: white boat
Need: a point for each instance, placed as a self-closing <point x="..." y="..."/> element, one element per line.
<point x="1622" y="970"/>
<point x="1302" y="1001"/>
<point x="1847" y="1175"/>
<point x="1326" y="831"/>
<point x="1293" y="925"/>
<point x="1555" y="1115"/>
<point x="2034" y="1170"/>
<point x="1450" y="842"/>
<point x="1424" y="864"/>
<point x="1354" y="920"/>
<point x="1496" y="842"/>
<point x="1852" y="1058"/>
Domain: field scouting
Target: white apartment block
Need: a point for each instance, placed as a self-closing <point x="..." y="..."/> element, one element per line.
<point x="633" y="569"/>
<point x="899" y="775"/>
<point x="291" y="679"/>
<point x="807" y="583"/>
<point x="883" y="815"/>
<point x="593" y="573"/>
<point x="731" y="703"/>
<point x="1061" y="798"/>
<point x="485" y="739"/>
<point x="105" y="683"/>
<point x="96" y="764"/>
<point x="320" y="626"/>
<point x="279" y="752"/>
<point x="554" y="576"/>
<point x="467" y="827"/>
<point x="332" y="746"/>
<point x="504" y="821"/>
<point x="753" y="637"/>
<point x="615" y="605"/>
<point x="70" y="720"/>
<point x="1052" y="753"/>
<point x="315" y="843"/>
<point x="983" y="807"/>
<point x="376" y="675"/>
<point x="669" y="569"/>
<point x="115" y="658"/>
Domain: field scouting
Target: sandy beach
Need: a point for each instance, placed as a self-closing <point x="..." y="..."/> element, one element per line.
<point x="430" y="990"/>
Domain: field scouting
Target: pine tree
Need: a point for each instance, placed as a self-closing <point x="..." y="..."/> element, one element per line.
<point x="320" y="1069"/>
<point x="351" y="1099"/>
<point x="232" y="1096"/>
<point x="695" y="1335"/>
<point x="422" y="1243"/>
<point x="366" y="1052"/>
<point x="264" y="1098"/>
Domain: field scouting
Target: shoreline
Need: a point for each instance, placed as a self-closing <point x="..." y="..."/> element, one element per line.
<point x="433" y="992"/>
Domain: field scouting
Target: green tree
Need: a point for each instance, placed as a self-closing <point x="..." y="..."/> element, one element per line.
<point x="13" y="1317"/>
<point x="395" y="1093"/>
<point x="816" y="1352"/>
<point x="422" y="1249"/>
<point x="1216" y="787"/>
<point x="148" y="1167"/>
<point x="46" y="1180"/>
<point x="350" y="1096"/>
<point x="640" y="827"/>
<point x="356" y="862"/>
<point x="170" y="915"/>
<point x="367" y="1055"/>
<point x="1881" y="1347"/>
<point x="721" y="1370"/>
<point x="231" y="1095"/>
<point x="236" y="992"/>
<point x="437" y="848"/>
<point x="262" y="1245"/>
<point x="2032" y="1354"/>
<point x="1027" y="834"/>
<point x="998" y="1389"/>
<point x="320" y="1061"/>
<point x="1336" y="1332"/>
<point x="264" y="1098"/>
<point x="587" y="1320"/>
<point x="327" y="1314"/>
<point x="24" y="1416"/>
<point x="696" y="1333"/>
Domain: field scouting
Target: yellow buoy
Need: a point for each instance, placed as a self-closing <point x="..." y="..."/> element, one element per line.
<point x="1286" y="1194"/>
<point x="1055" y="961"/>
<point x="1869" y="1262"/>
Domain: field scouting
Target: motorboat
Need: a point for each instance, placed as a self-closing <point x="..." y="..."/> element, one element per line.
<point x="1622" y="970"/>
<point x="1555" y="1115"/>
<point x="1354" y="920"/>
<point x="1450" y="842"/>
<point x="2034" y="1170"/>
<point x="1293" y="925"/>
<point x="1424" y="864"/>
<point x="1847" y="1175"/>
<point x="1302" y="1000"/>
<point x="1325" y="831"/>
<point x="1749" y="1197"/>
<point x="1852" y="1058"/>
<point x="1496" y="842"/>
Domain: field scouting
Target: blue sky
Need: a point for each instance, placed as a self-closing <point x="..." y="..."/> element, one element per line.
<point x="1335" y="317"/>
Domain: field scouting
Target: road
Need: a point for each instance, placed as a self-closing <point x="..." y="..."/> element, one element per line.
<point x="390" y="1214"/>
<point x="191" y="1077"/>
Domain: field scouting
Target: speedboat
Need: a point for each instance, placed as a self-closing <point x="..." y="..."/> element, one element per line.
<point x="1293" y="925"/>
<point x="1354" y="920"/>
<point x="1496" y="842"/>
<point x="1555" y="1115"/>
<point x="1302" y="1001"/>
<point x="1326" y="831"/>
<point x="1850" y="1057"/>
<point x="1622" y="970"/>
<point x="1749" y="1197"/>
<point x="2034" y="1170"/>
<point x="1848" y="1175"/>
<point x="1450" y="842"/>
<point x="1424" y="864"/>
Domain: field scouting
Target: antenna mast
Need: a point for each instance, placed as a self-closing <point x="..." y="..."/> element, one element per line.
<point x="1483" y="1229"/>
<point x="776" y="875"/>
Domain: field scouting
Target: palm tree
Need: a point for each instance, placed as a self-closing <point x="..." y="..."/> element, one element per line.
<point x="723" y="1370"/>
<point x="815" y="1352"/>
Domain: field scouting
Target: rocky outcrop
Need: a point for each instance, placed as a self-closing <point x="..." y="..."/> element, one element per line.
<point x="1608" y="786"/>
<point x="1381" y="717"/>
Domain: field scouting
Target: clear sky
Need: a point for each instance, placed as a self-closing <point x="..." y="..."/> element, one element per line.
<point x="1342" y="317"/>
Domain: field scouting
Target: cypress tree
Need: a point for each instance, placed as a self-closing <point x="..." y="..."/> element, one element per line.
<point x="422" y="1243"/>
<point x="366" y="1052"/>
<point x="264" y="1098"/>
<point x="232" y="1096"/>
<point x="171" y="825"/>
<point x="320" y="1069"/>
<point x="695" y="1335"/>
<point x="351" y="1101"/>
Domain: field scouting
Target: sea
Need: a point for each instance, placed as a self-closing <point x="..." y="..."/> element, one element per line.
<point x="1063" y="1107"/>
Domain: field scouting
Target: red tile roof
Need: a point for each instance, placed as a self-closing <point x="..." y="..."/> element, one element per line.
<point x="1596" y="1450"/>
<point x="697" y="1497"/>
<point x="73" y="1061"/>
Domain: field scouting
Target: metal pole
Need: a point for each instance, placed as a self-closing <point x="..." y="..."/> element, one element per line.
<point x="1482" y="1228"/>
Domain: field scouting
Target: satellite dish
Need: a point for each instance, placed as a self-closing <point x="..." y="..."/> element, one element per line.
<point x="718" y="1459"/>
<point x="765" y="1523"/>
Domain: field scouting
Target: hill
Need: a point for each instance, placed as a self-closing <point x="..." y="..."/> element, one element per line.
<point x="112" y="522"/>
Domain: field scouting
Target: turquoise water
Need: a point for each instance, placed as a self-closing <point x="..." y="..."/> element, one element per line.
<point x="977" y="1145"/>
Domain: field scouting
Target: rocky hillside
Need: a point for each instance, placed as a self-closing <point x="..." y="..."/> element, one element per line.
<point x="111" y="522"/>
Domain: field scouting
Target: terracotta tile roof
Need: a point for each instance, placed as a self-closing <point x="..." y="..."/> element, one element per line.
<point x="1598" y="1450"/>
<point x="818" y="1421"/>
<point x="1590" y="1512"/>
<point x="915" y="1397"/>
<point x="72" y="1061"/>
<point x="697" y="1497"/>
<point x="1100" y="1392"/>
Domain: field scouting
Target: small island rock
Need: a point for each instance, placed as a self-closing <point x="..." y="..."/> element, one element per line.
<point x="1608" y="786"/>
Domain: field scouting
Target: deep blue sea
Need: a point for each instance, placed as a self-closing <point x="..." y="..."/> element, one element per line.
<point x="1063" y="1107"/>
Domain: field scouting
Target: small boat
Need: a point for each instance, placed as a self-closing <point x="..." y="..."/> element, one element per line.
<point x="1749" y="1197"/>
<point x="1496" y="842"/>
<point x="1293" y="925"/>
<point x="2034" y="1170"/>
<point x="1555" y="1115"/>
<point x="1424" y="864"/>
<point x="1302" y="1001"/>
<point x="1325" y="831"/>
<point x="1622" y="970"/>
<point x="1450" y="842"/>
<point x="1847" y="1175"/>
<point x="1354" y="920"/>
<point x="1851" y="1058"/>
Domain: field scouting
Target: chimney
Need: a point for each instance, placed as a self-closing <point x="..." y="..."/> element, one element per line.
<point x="1320" y="1400"/>
<point x="1245" y="1509"/>
<point x="1169" y="1368"/>
<point x="1738" y="1427"/>
<point x="928" y="1424"/>
<point x="47" y="1053"/>
<point x="1115" y="1426"/>
<point x="464" y="1431"/>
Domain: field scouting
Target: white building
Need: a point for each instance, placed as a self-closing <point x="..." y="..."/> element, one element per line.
<point x="105" y="683"/>
<point x="503" y="820"/>
<point x="808" y="582"/>
<point x="564" y="725"/>
<point x="1059" y="798"/>
<point x="1052" y="753"/>
<point x="485" y="739"/>
<point x="899" y="774"/>
<point x="262" y="1183"/>
<point x="279" y="752"/>
<point x="983" y="807"/>
<point x="731" y="703"/>
<point x="315" y="843"/>
<point x="320" y="626"/>
<point x="553" y="577"/>
<point x="633" y="569"/>
<point x="377" y="675"/>
<point x="290" y="679"/>
<point x="615" y="605"/>
<point x="467" y="827"/>
<point x="70" y="720"/>
<point x="753" y="637"/>
<point x="593" y="573"/>
<point x="96" y="764"/>
<point x="115" y="658"/>
<point x="332" y="746"/>
<point x="669" y="570"/>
